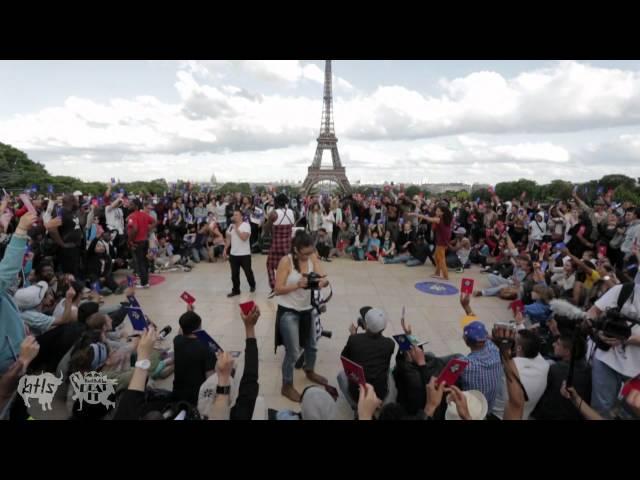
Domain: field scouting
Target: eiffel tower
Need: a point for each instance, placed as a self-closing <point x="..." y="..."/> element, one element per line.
<point x="327" y="141"/>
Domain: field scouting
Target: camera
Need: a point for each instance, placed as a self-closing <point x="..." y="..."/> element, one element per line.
<point x="612" y="324"/>
<point x="313" y="281"/>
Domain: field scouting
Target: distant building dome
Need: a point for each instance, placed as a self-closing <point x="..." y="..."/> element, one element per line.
<point x="213" y="180"/>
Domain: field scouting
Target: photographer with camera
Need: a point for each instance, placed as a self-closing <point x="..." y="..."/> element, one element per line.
<point x="616" y="358"/>
<point x="299" y="275"/>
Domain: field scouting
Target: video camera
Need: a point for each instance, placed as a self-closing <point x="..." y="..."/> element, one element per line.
<point x="612" y="324"/>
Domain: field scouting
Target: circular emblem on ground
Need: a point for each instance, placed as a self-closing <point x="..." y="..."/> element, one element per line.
<point x="436" y="288"/>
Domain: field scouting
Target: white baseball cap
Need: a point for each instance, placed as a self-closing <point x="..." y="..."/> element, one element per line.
<point x="31" y="297"/>
<point x="376" y="320"/>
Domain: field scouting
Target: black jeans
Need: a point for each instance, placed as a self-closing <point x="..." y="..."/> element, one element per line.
<point x="236" y="262"/>
<point x="140" y="252"/>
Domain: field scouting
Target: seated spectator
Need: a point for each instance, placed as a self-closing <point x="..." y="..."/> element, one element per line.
<point x="537" y="313"/>
<point x="532" y="370"/>
<point x="388" y="247"/>
<point x="484" y="370"/>
<point x="552" y="405"/>
<point x="373" y="247"/>
<point x="194" y="361"/>
<point x="221" y="396"/>
<point x="34" y="299"/>
<point x="418" y="254"/>
<point x="344" y="239"/>
<point x="372" y="351"/>
<point x="323" y="244"/>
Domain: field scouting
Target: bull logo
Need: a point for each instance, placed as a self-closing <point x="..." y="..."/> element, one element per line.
<point x="41" y="387"/>
<point x="93" y="388"/>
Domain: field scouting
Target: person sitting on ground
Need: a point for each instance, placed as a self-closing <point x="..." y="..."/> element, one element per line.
<point x="552" y="405"/>
<point x="194" y="361"/>
<point x="216" y="243"/>
<point x="165" y="257"/>
<point x="33" y="300"/>
<point x="532" y="370"/>
<point x="463" y="253"/>
<point x="323" y="244"/>
<point x="484" y="370"/>
<point x="344" y="239"/>
<point x="537" y="313"/>
<point x="373" y="248"/>
<point x="371" y="350"/>
<point x="221" y="397"/>
<point x="388" y="247"/>
<point x="100" y="269"/>
<point x="522" y="267"/>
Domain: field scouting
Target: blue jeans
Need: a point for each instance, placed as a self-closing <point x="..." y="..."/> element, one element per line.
<point x="497" y="283"/>
<point x="605" y="384"/>
<point x="290" y="331"/>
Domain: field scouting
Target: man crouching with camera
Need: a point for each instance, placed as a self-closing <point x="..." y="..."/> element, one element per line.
<point x="616" y="358"/>
<point x="297" y="276"/>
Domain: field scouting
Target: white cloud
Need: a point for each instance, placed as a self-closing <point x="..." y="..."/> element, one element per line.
<point x="392" y="133"/>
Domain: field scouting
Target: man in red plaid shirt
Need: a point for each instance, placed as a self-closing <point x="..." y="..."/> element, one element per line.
<point x="283" y="220"/>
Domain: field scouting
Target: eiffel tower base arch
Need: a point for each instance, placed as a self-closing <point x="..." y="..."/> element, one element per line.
<point x="316" y="175"/>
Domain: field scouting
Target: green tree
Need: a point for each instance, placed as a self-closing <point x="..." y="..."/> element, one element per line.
<point x="557" y="189"/>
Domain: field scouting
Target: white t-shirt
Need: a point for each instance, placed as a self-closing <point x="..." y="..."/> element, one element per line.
<point x="533" y="376"/>
<point x="115" y="219"/>
<point x="538" y="229"/>
<point x="238" y="247"/>
<point x="328" y="221"/>
<point x="622" y="359"/>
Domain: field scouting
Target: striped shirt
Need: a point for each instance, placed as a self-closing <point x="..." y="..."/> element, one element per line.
<point x="484" y="372"/>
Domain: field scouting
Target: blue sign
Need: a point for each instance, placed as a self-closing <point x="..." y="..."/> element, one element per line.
<point x="50" y="188"/>
<point x="436" y="288"/>
<point x="34" y="188"/>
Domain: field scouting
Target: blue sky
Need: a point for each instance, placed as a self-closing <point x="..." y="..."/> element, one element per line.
<point x="485" y="121"/>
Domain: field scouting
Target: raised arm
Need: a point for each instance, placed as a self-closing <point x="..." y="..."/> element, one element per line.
<point x="12" y="261"/>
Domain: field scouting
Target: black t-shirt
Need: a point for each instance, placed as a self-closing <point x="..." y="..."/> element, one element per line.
<point x="373" y="353"/>
<point x="70" y="230"/>
<point x="193" y="360"/>
<point x="552" y="405"/>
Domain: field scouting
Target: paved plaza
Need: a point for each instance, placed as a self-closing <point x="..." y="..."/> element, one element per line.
<point x="435" y="319"/>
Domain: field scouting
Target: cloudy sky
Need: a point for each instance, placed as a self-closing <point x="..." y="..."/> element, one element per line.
<point x="403" y="121"/>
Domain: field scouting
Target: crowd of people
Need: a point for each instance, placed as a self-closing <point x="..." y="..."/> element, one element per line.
<point x="570" y="271"/>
